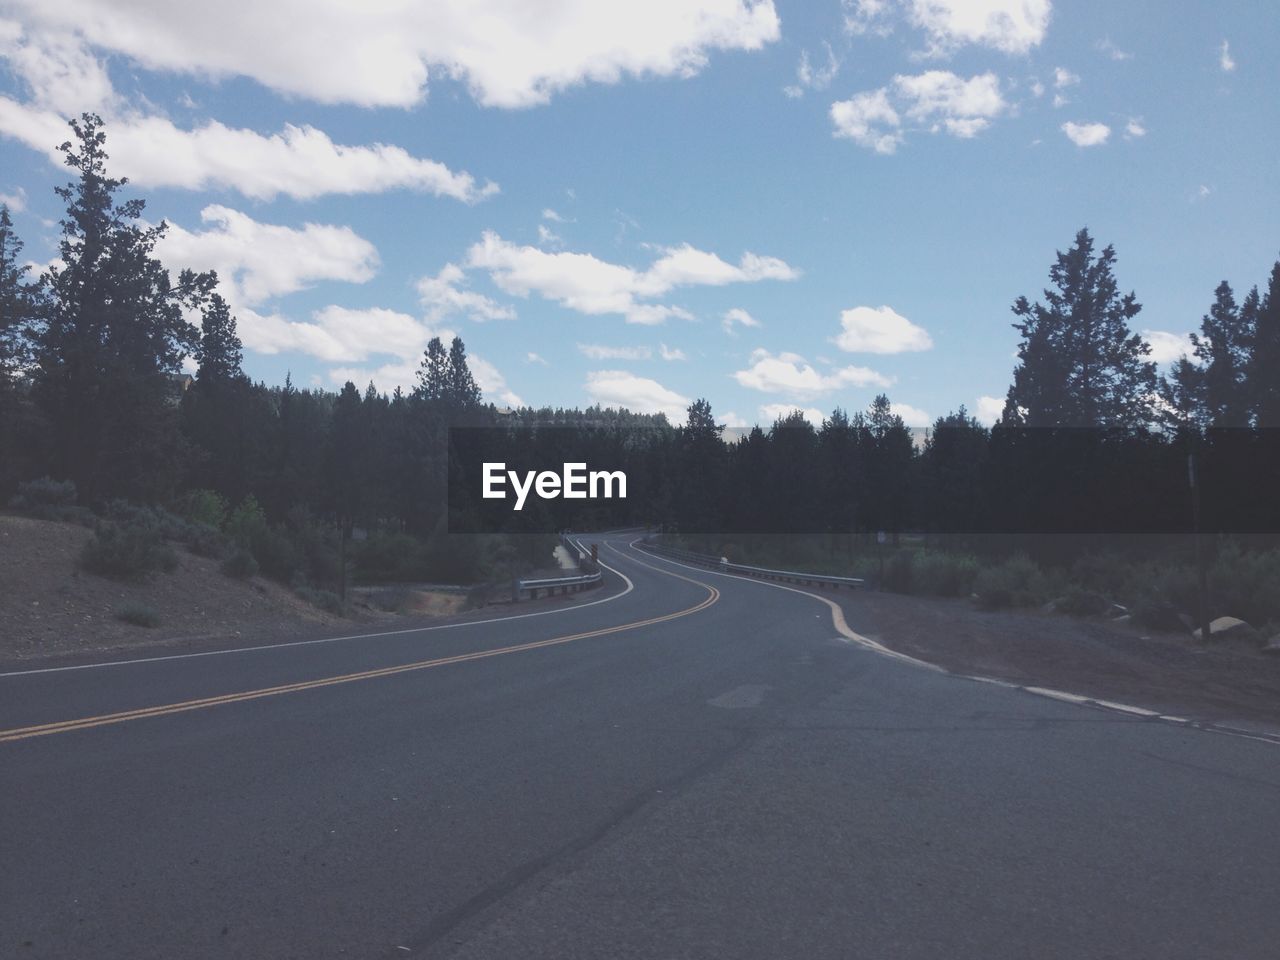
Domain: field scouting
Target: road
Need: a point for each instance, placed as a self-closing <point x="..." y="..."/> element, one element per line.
<point x="682" y="764"/>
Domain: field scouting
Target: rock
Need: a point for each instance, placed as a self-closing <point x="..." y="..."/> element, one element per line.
<point x="1228" y="628"/>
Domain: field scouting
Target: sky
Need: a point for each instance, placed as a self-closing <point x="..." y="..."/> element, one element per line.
<point x="774" y="205"/>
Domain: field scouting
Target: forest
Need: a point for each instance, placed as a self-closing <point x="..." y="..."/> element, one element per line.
<point x="1095" y="446"/>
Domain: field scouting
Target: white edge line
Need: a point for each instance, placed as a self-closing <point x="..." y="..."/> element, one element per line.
<point x="837" y="617"/>
<point x="307" y="643"/>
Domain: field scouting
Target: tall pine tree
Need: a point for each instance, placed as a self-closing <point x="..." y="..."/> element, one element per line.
<point x="1263" y="365"/>
<point x="1223" y="349"/>
<point x="1079" y="364"/>
<point x="113" y="338"/>
<point x="16" y="303"/>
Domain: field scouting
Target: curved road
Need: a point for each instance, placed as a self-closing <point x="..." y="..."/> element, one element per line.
<point x="684" y="764"/>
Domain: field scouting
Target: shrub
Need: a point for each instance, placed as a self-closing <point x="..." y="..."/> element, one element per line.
<point x="898" y="573"/>
<point x="1107" y="573"/>
<point x="389" y="557"/>
<point x="127" y="552"/>
<point x="326" y="600"/>
<point x="139" y="615"/>
<point x="1245" y="583"/>
<point x="246" y="523"/>
<point x="1016" y="582"/>
<point x="276" y="555"/>
<point x="944" y="574"/>
<point x="241" y="565"/>
<point x="204" y="506"/>
<point x="1084" y="603"/>
<point x="206" y="541"/>
<point x="158" y="520"/>
<point x="48" y="499"/>
<point x="1154" y="611"/>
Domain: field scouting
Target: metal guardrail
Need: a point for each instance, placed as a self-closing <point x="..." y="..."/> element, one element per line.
<point x="764" y="573"/>
<point x="551" y="586"/>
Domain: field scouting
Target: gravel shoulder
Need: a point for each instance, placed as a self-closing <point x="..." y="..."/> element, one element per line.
<point x="1221" y="681"/>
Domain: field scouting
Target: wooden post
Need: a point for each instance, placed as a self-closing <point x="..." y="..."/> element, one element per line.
<point x="1202" y="562"/>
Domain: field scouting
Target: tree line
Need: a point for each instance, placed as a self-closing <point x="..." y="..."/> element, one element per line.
<point x="91" y="353"/>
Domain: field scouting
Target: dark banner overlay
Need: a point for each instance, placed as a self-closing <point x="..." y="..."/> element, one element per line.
<point x="1012" y="481"/>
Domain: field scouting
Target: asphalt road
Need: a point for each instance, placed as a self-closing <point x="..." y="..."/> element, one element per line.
<point x="694" y="767"/>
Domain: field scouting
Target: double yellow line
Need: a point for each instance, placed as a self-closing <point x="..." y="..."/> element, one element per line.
<point x="85" y="723"/>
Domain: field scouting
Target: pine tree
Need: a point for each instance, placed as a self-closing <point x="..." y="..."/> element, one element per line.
<point x="1263" y="365"/>
<point x="1079" y="364"/>
<point x="113" y="337"/>
<point x="1223" y="347"/>
<point x="1183" y="393"/>
<point x="219" y="352"/>
<point x="432" y="373"/>
<point x="460" y="391"/>
<point x="16" y="303"/>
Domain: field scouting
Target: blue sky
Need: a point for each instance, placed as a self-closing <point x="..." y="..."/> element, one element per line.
<point x="772" y="205"/>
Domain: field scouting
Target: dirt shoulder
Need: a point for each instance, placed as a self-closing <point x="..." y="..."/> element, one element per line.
<point x="1220" y="682"/>
<point x="52" y="613"/>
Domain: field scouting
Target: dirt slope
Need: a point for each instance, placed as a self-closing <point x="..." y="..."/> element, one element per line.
<point x="48" y="606"/>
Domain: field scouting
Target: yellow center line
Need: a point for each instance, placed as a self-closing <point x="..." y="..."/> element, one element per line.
<point x="85" y="723"/>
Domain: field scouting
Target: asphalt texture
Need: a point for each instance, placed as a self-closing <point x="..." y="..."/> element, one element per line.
<point x="703" y="769"/>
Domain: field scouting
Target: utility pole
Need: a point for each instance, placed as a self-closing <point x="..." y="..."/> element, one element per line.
<point x="1202" y="563"/>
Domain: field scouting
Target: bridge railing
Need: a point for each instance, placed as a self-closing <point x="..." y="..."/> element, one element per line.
<point x="763" y="573"/>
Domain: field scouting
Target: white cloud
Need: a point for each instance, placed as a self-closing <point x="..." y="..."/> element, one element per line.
<point x="337" y="334"/>
<point x="532" y="357"/>
<point x="548" y="237"/>
<point x="1134" y="129"/>
<point x="732" y="421"/>
<point x="330" y="51"/>
<point x="257" y="261"/>
<point x="597" y="351"/>
<point x="586" y="284"/>
<point x="809" y="77"/>
<point x="1062" y="79"/>
<point x="770" y="413"/>
<point x="1086" y="134"/>
<point x="1011" y="26"/>
<point x="492" y="383"/>
<point x="1106" y="46"/>
<point x="1167" y="347"/>
<point x="936" y="101"/>
<point x="671" y="353"/>
<point x="964" y="107"/>
<point x="1037" y="88"/>
<point x="737" y="316"/>
<point x="911" y="416"/>
<point x="59" y="71"/>
<point x="1204" y="191"/>
<point x="16" y="201"/>
<point x="442" y="296"/>
<point x="883" y="330"/>
<point x="868" y="16"/>
<point x="791" y="374"/>
<point x="549" y="214"/>
<point x="299" y="162"/>
<point x="1224" y="58"/>
<point x="989" y="410"/>
<point x="869" y="120"/>
<point x="617" y="388"/>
